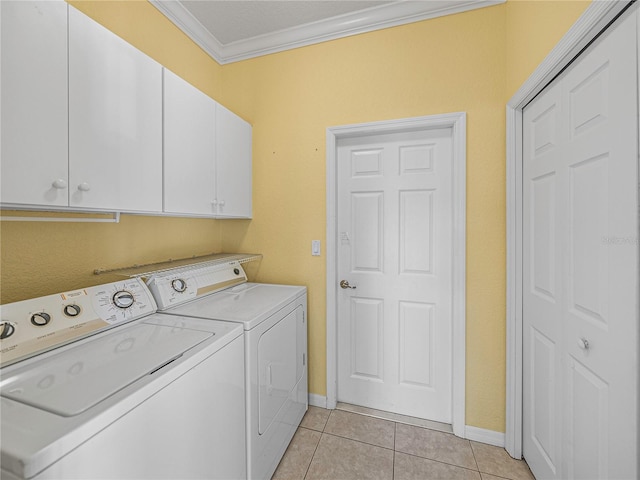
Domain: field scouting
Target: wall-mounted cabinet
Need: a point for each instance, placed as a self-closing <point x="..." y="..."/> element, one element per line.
<point x="189" y="148"/>
<point x="34" y="156"/>
<point x="115" y="121"/>
<point x="207" y="154"/>
<point x="82" y="124"/>
<point x="233" y="165"/>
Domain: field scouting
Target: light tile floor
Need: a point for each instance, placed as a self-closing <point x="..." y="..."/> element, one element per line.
<point x="340" y="445"/>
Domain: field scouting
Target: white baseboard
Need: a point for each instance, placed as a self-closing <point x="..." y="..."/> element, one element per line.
<point x="317" y="400"/>
<point x="484" y="436"/>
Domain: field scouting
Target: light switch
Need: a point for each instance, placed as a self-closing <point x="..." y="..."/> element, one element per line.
<point x="315" y="248"/>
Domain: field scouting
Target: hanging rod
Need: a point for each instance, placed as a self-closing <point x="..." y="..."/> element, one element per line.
<point x="142" y="270"/>
<point x="114" y="219"/>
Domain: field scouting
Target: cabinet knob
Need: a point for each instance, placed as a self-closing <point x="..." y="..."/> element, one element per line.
<point x="84" y="187"/>
<point x="214" y="202"/>
<point x="221" y="203"/>
<point x="60" y="184"/>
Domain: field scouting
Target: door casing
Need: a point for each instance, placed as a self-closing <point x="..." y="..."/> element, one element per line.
<point x="587" y="28"/>
<point x="457" y="122"/>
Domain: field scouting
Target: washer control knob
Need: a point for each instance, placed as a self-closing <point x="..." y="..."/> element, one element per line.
<point x="40" y="319"/>
<point x="71" y="310"/>
<point x="179" y="285"/>
<point x="7" y="329"/>
<point x="123" y="299"/>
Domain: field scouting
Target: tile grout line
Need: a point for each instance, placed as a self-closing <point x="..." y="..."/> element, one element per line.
<point x="473" y="452"/>
<point x="393" y="465"/>
<point x="445" y="463"/>
<point x="316" y="449"/>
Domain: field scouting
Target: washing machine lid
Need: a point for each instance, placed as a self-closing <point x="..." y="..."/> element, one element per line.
<point x="74" y="380"/>
<point x="248" y="303"/>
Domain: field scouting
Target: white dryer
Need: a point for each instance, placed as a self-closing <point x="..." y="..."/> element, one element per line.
<point x="274" y="318"/>
<point x="94" y="384"/>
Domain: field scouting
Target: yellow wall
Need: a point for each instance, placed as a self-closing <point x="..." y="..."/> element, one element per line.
<point x="533" y="29"/>
<point x="450" y="64"/>
<point x="469" y="62"/>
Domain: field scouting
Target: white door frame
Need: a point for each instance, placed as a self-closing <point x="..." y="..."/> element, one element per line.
<point x="457" y="122"/>
<point x="591" y="23"/>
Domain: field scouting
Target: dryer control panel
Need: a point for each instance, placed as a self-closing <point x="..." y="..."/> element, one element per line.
<point x="34" y="326"/>
<point x="184" y="284"/>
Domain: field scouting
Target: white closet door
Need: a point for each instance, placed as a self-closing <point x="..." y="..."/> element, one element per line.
<point x="580" y="282"/>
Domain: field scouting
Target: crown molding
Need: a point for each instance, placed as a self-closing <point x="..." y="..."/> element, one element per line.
<point x="376" y="18"/>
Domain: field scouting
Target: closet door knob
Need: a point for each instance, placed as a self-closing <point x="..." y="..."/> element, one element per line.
<point x="583" y="343"/>
<point x="84" y="187"/>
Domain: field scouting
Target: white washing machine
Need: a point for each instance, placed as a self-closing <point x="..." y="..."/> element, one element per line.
<point x="94" y="384"/>
<point x="274" y="319"/>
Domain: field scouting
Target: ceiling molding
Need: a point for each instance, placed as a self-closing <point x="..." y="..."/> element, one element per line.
<point x="376" y="18"/>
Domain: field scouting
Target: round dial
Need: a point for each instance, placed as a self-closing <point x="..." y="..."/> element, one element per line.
<point x="40" y="319"/>
<point x="236" y="271"/>
<point x="179" y="285"/>
<point x="123" y="299"/>
<point x="71" y="310"/>
<point x="6" y="329"/>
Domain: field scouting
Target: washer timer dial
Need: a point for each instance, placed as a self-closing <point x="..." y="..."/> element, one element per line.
<point x="123" y="299"/>
<point x="179" y="285"/>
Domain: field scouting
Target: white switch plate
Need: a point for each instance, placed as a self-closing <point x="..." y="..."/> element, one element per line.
<point x="315" y="248"/>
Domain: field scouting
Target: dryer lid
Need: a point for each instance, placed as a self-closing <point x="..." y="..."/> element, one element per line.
<point x="78" y="378"/>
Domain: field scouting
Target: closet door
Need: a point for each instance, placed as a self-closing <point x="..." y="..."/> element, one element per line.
<point x="580" y="256"/>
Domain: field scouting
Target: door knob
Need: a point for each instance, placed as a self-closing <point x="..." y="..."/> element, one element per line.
<point x="345" y="284"/>
<point x="583" y="343"/>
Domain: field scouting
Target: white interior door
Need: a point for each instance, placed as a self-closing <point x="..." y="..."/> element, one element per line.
<point x="580" y="281"/>
<point x="394" y="218"/>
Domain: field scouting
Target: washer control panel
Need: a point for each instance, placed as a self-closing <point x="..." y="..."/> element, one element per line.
<point x="33" y="326"/>
<point x="181" y="285"/>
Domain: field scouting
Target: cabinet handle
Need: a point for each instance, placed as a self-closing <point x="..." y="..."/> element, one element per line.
<point x="60" y="184"/>
<point x="221" y="203"/>
<point x="214" y="203"/>
<point x="84" y="187"/>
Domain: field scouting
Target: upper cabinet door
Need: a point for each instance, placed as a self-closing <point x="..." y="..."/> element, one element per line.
<point x="115" y="121"/>
<point x="189" y="148"/>
<point x="34" y="103"/>
<point x="233" y="165"/>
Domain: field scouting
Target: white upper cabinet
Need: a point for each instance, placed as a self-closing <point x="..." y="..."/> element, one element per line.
<point x="207" y="154"/>
<point x="115" y="121"/>
<point x="34" y="103"/>
<point x="233" y="165"/>
<point x="189" y="148"/>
